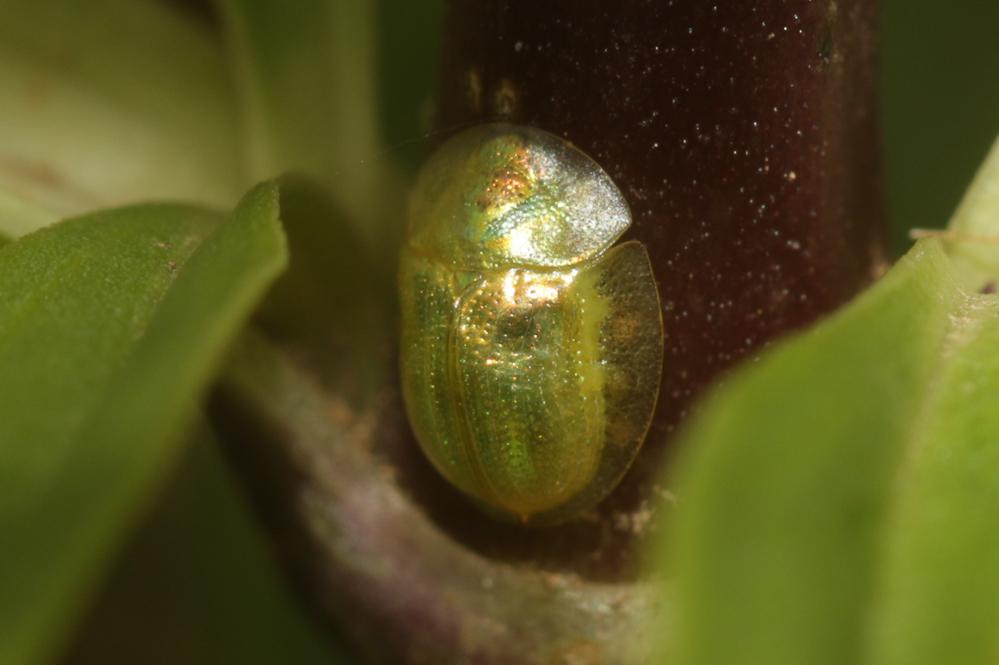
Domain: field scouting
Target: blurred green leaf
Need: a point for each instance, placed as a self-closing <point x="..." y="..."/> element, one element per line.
<point x="305" y="73"/>
<point x="975" y="226"/>
<point x="110" y="102"/>
<point x="876" y="428"/>
<point x="939" y="596"/>
<point x="198" y="586"/>
<point x="18" y="217"/>
<point x="110" y="326"/>
<point x="939" y="600"/>
<point x="788" y="472"/>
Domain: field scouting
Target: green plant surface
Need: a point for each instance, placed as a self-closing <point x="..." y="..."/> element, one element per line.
<point x="110" y="326"/>
<point x="305" y="79"/>
<point x="973" y="240"/>
<point x="111" y="102"/>
<point x="939" y="600"/>
<point x="838" y="495"/>
<point x="18" y="217"/>
<point x="197" y="584"/>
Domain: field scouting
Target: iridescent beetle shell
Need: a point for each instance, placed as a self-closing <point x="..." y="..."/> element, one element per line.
<point x="531" y="346"/>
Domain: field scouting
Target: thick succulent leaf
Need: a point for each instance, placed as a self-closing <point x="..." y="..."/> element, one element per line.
<point x="973" y="238"/>
<point x="837" y="497"/>
<point x="111" y="102"/>
<point x="110" y="326"/>
<point x="788" y="472"/>
<point x="305" y="73"/>
<point x="939" y="592"/>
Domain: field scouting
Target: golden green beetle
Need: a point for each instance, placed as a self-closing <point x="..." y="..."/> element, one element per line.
<point x="531" y="347"/>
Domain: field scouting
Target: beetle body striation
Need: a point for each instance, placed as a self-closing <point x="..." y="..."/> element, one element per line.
<point x="531" y="347"/>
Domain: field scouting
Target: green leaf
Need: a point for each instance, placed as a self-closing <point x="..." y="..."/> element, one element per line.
<point x="198" y="580"/>
<point x="939" y="595"/>
<point x="305" y="73"/>
<point x="973" y="237"/>
<point x="110" y="327"/>
<point x="837" y="498"/>
<point x="113" y="101"/>
<point x="939" y="600"/>
<point x="17" y="217"/>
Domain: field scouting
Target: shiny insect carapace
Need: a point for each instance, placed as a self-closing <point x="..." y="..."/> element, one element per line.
<point x="531" y="346"/>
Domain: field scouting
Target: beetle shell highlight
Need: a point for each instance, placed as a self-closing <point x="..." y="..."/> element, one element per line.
<point x="531" y="346"/>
